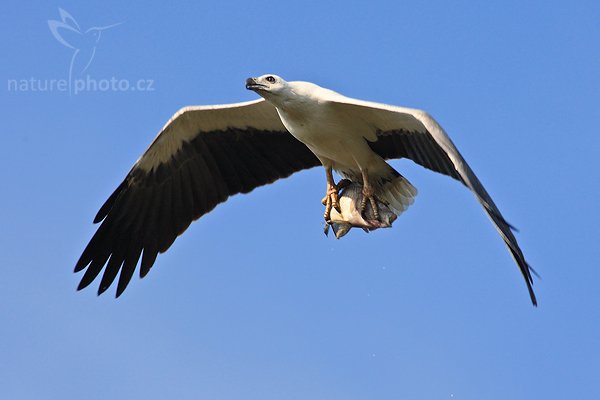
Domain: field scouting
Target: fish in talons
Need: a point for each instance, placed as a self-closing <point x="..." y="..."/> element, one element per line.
<point x="332" y="196"/>
<point x="350" y="216"/>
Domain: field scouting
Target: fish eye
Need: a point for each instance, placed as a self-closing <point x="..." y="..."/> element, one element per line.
<point x="270" y="79"/>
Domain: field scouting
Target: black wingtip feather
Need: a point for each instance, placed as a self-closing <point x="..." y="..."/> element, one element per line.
<point x="526" y="270"/>
<point x="108" y="204"/>
<point x="124" y="278"/>
<point x="534" y="272"/>
<point x="110" y="272"/>
<point x="148" y="259"/>
<point x="532" y="294"/>
<point x="81" y="263"/>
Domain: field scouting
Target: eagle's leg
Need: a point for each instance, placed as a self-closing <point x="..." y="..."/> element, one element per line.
<point x="368" y="194"/>
<point x="331" y="199"/>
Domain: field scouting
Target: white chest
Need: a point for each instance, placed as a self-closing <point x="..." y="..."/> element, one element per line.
<point x="311" y="126"/>
<point x="328" y="137"/>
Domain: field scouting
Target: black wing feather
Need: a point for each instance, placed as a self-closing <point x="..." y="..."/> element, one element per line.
<point x="423" y="149"/>
<point x="419" y="147"/>
<point x="149" y="209"/>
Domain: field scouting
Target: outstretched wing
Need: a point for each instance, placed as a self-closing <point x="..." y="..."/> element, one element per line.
<point x="202" y="156"/>
<point x="399" y="132"/>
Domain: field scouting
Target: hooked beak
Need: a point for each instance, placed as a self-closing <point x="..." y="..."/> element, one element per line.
<point x="251" y="84"/>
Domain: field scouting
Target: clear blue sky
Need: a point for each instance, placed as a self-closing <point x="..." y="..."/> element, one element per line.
<point x="253" y="301"/>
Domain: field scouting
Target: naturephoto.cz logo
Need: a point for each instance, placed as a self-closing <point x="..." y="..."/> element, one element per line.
<point x="83" y="44"/>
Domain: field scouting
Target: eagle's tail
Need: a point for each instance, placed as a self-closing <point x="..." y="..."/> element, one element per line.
<point x="397" y="191"/>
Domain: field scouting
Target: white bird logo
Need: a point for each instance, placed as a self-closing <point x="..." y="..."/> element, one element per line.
<point x="68" y="32"/>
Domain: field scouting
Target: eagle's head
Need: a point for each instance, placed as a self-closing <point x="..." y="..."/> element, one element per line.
<point x="268" y="86"/>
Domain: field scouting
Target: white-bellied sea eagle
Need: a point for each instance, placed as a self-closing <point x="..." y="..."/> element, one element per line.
<point x="205" y="154"/>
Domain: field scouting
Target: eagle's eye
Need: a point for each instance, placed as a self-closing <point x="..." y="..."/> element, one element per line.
<point x="270" y="79"/>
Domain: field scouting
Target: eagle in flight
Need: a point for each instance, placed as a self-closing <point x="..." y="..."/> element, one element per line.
<point x="204" y="154"/>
